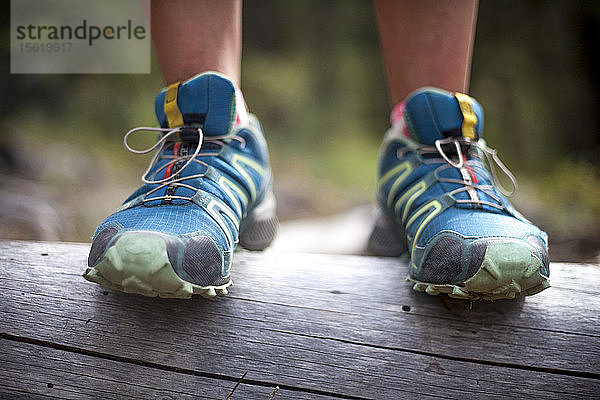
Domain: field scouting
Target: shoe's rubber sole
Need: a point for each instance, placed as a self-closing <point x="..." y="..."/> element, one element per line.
<point x="509" y="270"/>
<point x="138" y="262"/>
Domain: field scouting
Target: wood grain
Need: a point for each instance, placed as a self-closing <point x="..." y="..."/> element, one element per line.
<point x="316" y="325"/>
<point x="34" y="371"/>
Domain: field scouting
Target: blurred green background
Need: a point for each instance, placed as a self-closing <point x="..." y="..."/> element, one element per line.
<point x="312" y="72"/>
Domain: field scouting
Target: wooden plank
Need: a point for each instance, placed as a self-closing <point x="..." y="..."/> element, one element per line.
<point x="328" y="324"/>
<point x="557" y="314"/>
<point x="44" y="371"/>
<point x="35" y="371"/>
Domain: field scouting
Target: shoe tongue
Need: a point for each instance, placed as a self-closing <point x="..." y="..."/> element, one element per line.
<point x="208" y="100"/>
<point x="430" y="114"/>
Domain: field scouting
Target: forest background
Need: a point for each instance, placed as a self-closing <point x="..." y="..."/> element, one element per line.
<point x="312" y="72"/>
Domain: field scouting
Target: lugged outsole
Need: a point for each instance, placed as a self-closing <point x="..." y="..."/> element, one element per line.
<point x="138" y="263"/>
<point x="508" y="270"/>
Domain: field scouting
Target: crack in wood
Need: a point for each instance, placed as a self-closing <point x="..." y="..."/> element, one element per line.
<point x="555" y="371"/>
<point x="236" y="386"/>
<point x="112" y="357"/>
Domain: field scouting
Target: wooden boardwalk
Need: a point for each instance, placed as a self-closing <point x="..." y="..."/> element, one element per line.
<point x="313" y="326"/>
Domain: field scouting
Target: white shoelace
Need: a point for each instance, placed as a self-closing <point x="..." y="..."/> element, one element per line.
<point x="491" y="159"/>
<point x="173" y="179"/>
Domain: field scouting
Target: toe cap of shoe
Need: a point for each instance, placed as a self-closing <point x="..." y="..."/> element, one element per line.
<point x="198" y="259"/>
<point x="450" y="258"/>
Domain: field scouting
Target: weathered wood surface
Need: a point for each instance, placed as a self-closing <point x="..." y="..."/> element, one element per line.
<point x="317" y="326"/>
<point x="32" y="370"/>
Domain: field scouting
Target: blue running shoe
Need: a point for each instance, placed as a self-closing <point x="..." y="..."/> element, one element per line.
<point x="208" y="187"/>
<point x="440" y="203"/>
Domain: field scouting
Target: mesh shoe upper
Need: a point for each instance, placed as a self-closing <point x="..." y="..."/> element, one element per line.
<point x="210" y="172"/>
<point x="435" y="185"/>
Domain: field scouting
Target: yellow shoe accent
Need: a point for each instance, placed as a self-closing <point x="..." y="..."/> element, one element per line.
<point x="469" y="116"/>
<point x="404" y="169"/>
<point x="435" y="207"/>
<point x="172" y="112"/>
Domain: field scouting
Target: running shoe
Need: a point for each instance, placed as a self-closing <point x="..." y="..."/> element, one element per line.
<point x="442" y="204"/>
<point x="208" y="188"/>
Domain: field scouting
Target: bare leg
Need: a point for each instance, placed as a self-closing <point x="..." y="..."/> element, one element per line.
<point x="426" y="43"/>
<point x="192" y="36"/>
